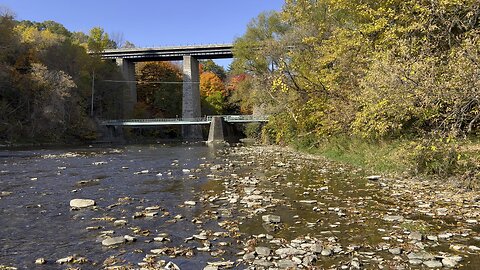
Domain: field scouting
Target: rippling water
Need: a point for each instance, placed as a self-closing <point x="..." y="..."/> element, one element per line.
<point x="36" y="221"/>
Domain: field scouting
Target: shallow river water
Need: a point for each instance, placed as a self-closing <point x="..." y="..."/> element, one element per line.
<point x="193" y="205"/>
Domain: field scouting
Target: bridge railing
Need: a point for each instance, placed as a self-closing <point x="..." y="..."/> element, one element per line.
<point x="205" y="119"/>
<point x="149" y="120"/>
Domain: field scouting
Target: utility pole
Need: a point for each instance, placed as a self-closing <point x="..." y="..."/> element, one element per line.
<point x="93" y="91"/>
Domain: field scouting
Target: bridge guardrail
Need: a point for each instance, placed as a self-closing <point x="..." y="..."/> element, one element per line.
<point x="205" y="119"/>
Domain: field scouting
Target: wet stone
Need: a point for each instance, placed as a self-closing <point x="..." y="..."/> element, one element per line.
<point x="326" y="252"/>
<point x="395" y="251"/>
<point x="286" y="264"/>
<point x="262" y="262"/>
<point x="263" y="251"/>
<point x="120" y="222"/>
<point x="415" y="262"/>
<point x="420" y="256"/>
<point x="451" y="262"/>
<point x="433" y="264"/>
<point x="81" y="203"/>
<point x="271" y="219"/>
<point x="249" y="256"/>
<point x="415" y="236"/>
<point x="40" y="261"/>
<point x="111" y="241"/>
<point x="393" y="218"/>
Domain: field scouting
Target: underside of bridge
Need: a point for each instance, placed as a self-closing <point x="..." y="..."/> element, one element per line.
<point x="126" y="59"/>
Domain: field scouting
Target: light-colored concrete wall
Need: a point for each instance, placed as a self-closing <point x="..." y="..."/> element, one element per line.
<point x="130" y="92"/>
<point x="191" y="97"/>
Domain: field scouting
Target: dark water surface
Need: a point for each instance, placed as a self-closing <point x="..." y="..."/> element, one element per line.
<point x="36" y="221"/>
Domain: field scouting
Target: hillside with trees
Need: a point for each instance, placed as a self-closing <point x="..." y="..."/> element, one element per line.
<point x="45" y="82"/>
<point x="397" y="79"/>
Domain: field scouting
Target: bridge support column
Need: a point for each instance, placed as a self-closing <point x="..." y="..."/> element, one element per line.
<point x="216" y="132"/>
<point x="130" y="93"/>
<point x="191" y="97"/>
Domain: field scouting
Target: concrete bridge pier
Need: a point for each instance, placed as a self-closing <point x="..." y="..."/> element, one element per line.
<point x="130" y="93"/>
<point x="191" y="97"/>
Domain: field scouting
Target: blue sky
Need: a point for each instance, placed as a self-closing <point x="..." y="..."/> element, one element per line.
<point x="149" y="23"/>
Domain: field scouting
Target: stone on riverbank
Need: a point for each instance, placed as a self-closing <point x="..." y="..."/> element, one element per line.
<point x="111" y="241"/>
<point x="271" y="219"/>
<point x="81" y="203"/>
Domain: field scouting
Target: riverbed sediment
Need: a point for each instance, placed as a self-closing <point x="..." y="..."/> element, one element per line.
<point x="193" y="207"/>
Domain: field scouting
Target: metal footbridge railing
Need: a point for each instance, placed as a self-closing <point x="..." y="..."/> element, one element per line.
<point x="184" y="121"/>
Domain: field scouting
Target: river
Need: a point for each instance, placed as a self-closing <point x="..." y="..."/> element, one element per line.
<point x="189" y="205"/>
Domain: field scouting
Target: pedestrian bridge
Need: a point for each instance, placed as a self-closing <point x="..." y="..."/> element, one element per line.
<point x="218" y="123"/>
<point x="184" y="121"/>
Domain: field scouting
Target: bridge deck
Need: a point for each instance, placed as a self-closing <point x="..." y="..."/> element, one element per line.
<point x="170" y="53"/>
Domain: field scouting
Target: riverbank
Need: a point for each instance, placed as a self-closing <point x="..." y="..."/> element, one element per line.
<point x="409" y="221"/>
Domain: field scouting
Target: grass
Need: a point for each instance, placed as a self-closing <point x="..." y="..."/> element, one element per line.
<point x="378" y="156"/>
<point x="457" y="160"/>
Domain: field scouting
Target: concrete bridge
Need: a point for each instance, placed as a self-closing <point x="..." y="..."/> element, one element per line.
<point x="218" y="129"/>
<point x="126" y="59"/>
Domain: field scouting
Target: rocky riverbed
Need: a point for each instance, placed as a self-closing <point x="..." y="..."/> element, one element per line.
<point x="193" y="207"/>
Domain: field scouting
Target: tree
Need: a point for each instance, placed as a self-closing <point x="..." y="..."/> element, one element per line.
<point x="98" y="40"/>
<point x="210" y="66"/>
<point x="160" y="88"/>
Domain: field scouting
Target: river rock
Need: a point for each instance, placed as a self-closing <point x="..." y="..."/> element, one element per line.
<point x="40" y="261"/>
<point x="433" y="264"/>
<point x="113" y="241"/>
<point x="171" y="266"/>
<point x="326" y="252"/>
<point x="81" y="203"/>
<point x="263" y="251"/>
<point x="120" y="222"/>
<point x="190" y="203"/>
<point x="249" y="256"/>
<point x="374" y="177"/>
<point x="393" y="218"/>
<point x="432" y="238"/>
<point x="451" y="262"/>
<point x="130" y="238"/>
<point x="271" y="219"/>
<point x="65" y="260"/>
<point x="415" y="236"/>
<point x="262" y="263"/>
<point x="285" y="252"/>
<point x="286" y="264"/>
<point x="395" y="251"/>
<point x="423" y="256"/>
<point x="316" y="248"/>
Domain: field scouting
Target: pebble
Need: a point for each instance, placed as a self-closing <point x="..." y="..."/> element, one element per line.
<point x="415" y="236"/>
<point x="81" y="203"/>
<point x="113" y="241"/>
<point x="120" y="222"/>
<point x="393" y="218"/>
<point x="433" y="264"/>
<point x="395" y="251"/>
<point x="326" y="252"/>
<point x="129" y="238"/>
<point x="40" y="261"/>
<point x="374" y="177"/>
<point x="263" y="251"/>
<point x="190" y="203"/>
<point x="451" y="262"/>
<point x="271" y="219"/>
